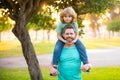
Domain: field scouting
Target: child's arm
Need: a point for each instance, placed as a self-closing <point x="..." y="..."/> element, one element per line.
<point x="75" y="38"/>
<point x="76" y="29"/>
<point x="60" y="38"/>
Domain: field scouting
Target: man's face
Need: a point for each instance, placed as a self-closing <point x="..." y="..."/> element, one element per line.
<point x="69" y="35"/>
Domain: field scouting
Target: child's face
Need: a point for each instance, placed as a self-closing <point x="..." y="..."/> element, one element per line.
<point x="67" y="18"/>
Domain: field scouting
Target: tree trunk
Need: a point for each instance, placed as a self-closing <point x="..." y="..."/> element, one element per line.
<point x="48" y="34"/>
<point x="36" y="33"/>
<point x="0" y="36"/>
<point x="21" y="33"/>
<point x="43" y="35"/>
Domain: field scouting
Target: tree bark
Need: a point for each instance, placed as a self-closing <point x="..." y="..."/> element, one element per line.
<point x="0" y="36"/>
<point x="22" y="34"/>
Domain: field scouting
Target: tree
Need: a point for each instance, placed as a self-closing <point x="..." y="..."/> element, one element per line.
<point x="114" y="25"/>
<point x="21" y="11"/>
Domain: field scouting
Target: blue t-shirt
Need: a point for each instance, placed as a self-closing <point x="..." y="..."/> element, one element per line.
<point x="60" y="27"/>
<point x="69" y="64"/>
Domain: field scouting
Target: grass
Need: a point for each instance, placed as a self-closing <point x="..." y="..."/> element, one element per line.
<point x="10" y="48"/>
<point x="14" y="74"/>
<point x="102" y="73"/>
<point x="101" y="43"/>
<point x="13" y="48"/>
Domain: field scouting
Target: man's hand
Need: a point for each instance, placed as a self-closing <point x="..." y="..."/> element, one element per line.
<point x="86" y="67"/>
<point x="53" y="71"/>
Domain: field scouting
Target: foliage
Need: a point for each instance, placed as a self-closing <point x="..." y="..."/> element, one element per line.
<point x="80" y="26"/>
<point x="5" y="23"/>
<point x="114" y="25"/>
<point x="42" y="20"/>
<point x="85" y="6"/>
<point x="15" y="8"/>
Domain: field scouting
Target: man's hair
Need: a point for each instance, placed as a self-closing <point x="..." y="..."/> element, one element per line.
<point x="68" y="26"/>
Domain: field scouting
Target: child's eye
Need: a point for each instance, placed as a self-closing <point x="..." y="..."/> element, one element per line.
<point x="65" y="16"/>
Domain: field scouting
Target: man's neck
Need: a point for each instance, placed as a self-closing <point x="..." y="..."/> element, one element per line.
<point x="68" y="45"/>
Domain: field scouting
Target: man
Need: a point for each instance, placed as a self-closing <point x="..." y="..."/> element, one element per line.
<point x="70" y="62"/>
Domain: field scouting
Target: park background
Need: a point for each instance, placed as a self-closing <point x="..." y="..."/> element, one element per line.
<point x="97" y="30"/>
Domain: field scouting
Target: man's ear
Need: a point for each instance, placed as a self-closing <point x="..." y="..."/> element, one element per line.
<point x="63" y="34"/>
<point x="76" y="34"/>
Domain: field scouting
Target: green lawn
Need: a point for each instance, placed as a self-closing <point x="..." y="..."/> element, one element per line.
<point x="13" y="48"/>
<point x="104" y="73"/>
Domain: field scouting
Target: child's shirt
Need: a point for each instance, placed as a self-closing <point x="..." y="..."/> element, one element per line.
<point x="60" y="27"/>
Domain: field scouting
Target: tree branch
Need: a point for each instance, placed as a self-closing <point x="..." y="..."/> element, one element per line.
<point x="11" y="6"/>
<point x="28" y="7"/>
<point x="23" y="5"/>
<point x="35" y="6"/>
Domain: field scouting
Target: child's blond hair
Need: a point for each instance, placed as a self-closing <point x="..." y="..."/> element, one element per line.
<point x="71" y="12"/>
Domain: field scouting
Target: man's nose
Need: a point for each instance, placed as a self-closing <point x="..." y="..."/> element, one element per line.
<point x="69" y="35"/>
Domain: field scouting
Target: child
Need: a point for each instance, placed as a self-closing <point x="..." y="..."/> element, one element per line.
<point x="68" y="16"/>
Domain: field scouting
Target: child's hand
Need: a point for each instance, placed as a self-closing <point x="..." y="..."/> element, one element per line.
<point x="67" y="42"/>
<point x="73" y="41"/>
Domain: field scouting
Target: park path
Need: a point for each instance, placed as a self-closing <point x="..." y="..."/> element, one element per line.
<point x="98" y="58"/>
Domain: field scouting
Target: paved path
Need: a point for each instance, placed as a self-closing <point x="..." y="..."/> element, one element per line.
<point x="98" y="58"/>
